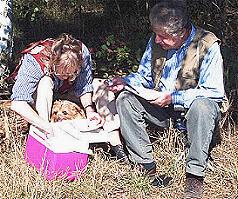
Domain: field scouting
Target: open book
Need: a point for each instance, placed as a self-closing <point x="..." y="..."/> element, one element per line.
<point x="146" y="93"/>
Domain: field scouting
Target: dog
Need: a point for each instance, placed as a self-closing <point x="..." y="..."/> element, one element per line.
<point x="66" y="110"/>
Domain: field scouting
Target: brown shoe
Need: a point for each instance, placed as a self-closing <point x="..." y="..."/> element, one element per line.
<point x="193" y="187"/>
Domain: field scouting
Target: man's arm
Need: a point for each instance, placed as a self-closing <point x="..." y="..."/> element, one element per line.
<point x="143" y="77"/>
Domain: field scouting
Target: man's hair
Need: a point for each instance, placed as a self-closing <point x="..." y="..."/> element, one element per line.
<point x="170" y="15"/>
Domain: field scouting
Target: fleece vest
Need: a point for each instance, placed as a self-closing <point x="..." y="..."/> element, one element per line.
<point x="188" y="75"/>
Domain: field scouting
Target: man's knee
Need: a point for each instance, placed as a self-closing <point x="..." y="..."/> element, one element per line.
<point x="203" y="111"/>
<point x="123" y="97"/>
<point x="202" y="105"/>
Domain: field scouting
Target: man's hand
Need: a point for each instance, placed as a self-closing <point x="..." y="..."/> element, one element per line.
<point x="164" y="100"/>
<point x="116" y="84"/>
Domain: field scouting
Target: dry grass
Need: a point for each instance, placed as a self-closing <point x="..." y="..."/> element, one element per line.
<point x="106" y="178"/>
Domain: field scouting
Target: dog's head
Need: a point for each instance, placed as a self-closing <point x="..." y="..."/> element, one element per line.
<point x="66" y="110"/>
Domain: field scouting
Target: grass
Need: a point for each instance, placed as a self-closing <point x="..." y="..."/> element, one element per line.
<point x="106" y="178"/>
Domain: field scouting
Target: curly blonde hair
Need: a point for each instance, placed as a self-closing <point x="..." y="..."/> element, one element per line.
<point x="64" y="56"/>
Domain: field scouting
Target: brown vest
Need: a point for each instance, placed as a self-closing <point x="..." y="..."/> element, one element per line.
<point x="188" y="75"/>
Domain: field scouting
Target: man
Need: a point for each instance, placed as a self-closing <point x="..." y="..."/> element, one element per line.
<point x="184" y="64"/>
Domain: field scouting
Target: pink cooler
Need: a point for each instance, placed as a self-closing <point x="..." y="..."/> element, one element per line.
<point x="52" y="161"/>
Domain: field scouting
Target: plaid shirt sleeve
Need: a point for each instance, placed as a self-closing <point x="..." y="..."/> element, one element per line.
<point x="27" y="80"/>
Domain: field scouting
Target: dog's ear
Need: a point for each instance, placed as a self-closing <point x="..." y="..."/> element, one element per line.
<point x="80" y="111"/>
<point x="57" y="104"/>
<point x="55" y="109"/>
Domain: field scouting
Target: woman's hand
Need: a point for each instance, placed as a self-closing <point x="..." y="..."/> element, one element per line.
<point x="30" y="115"/>
<point x="115" y="85"/>
<point x="164" y="100"/>
<point x="95" y="118"/>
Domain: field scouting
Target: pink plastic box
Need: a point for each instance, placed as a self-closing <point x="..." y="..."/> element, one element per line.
<point x="49" y="162"/>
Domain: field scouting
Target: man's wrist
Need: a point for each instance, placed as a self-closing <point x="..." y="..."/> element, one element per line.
<point x="177" y="97"/>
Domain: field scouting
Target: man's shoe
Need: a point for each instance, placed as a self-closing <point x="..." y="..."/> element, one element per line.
<point x="193" y="187"/>
<point x="149" y="171"/>
<point x="120" y="153"/>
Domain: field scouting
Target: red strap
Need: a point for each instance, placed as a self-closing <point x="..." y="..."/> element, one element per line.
<point x="31" y="46"/>
<point x="47" y="42"/>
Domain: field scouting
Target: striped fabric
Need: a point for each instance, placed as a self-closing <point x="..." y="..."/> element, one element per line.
<point x="30" y="74"/>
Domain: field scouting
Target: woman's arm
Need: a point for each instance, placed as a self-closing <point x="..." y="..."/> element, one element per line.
<point x="87" y="103"/>
<point x="25" y="110"/>
<point x="91" y="114"/>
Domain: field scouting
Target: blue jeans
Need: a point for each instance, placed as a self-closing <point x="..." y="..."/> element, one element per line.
<point x="202" y="118"/>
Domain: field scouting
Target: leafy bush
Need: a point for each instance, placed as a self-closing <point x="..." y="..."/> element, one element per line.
<point x="113" y="57"/>
<point x="92" y="19"/>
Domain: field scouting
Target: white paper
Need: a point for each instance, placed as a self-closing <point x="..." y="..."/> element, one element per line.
<point x="75" y="136"/>
<point x="146" y="93"/>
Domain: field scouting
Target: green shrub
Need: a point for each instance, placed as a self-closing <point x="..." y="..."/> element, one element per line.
<point x="113" y="57"/>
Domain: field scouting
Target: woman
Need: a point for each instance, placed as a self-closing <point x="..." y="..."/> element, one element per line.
<point x="59" y="68"/>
